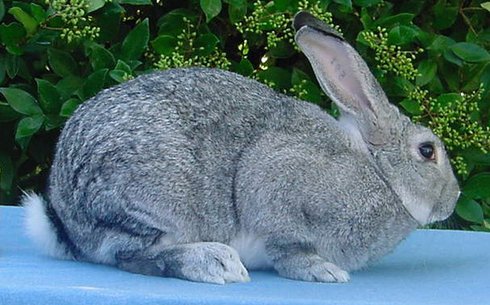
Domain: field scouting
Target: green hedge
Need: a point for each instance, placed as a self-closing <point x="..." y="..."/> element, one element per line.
<point x="430" y="56"/>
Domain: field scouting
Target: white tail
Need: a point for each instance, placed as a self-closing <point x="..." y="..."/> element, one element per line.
<point x="39" y="228"/>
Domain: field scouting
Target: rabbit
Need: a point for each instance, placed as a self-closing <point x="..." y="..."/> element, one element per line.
<point x="203" y="174"/>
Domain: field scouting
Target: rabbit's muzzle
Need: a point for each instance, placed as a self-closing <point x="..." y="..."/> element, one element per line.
<point x="448" y="199"/>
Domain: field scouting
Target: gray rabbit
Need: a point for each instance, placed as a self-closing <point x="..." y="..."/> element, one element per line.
<point x="198" y="173"/>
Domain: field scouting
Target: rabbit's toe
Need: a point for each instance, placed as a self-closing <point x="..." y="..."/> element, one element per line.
<point x="328" y="272"/>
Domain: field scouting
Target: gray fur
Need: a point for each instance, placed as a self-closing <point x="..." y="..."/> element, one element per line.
<point x="158" y="175"/>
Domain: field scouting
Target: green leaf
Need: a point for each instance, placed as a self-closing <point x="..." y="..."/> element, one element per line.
<point x="29" y="23"/>
<point x="366" y="21"/>
<point x="283" y="49"/>
<point x="136" y="41"/>
<point x="400" y="86"/>
<point x="360" y="37"/>
<point x="2" y="10"/>
<point x="94" y="83"/>
<point x="400" y="19"/>
<point x="280" y="77"/>
<point x="281" y="5"/>
<point x="109" y="21"/>
<point x="476" y="156"/>
<point x="12" y="65"/>
<point x="427" y="70"/>
<point x="298" y="76"/>
<point x="402" y="34"/>
<point x="136" y="2"/>
<point x="413" y="6"/>
<point x="69" y="107"/>
<point x="62" y="63"/>
<point x="164" y="44"/>
<point x="346" y="3"/>
<point x="450" y="75"/>
<point x="241" y="2"/>
<point x="478" y="186"/>
<point x="11" y="35"/>
<point x="100" y="57"/>
<point x="28" y="126"/>
<point x="122" y="66"/>
<point x="173" y="23"/>
<point x="119" y="76"/>
<point x="121" y="72"/>
<point x="93" y="5"/>
<point x="49" y="97"/>
<point x="424" y="38"/>
<point x="470" y="52"/>
<point x="446" y="100"/>
<point x="206" y="44"/>
<point x="444" y="16"/>
<point x="134" y="64"/>
<point x="53" y="121"/>
<point x="7" y="172"/>
<point x="7" y="113"/>
<point x="244" y="67"/>
<point x="211" y="8"/>
<point x="452" y="58"/>
<point x="237" y="10"/>
<point x="68" y="86"/>
<point x="474" y="79"/>
<point x="440" y="43"/>
<point x="38" y="12"/>
<point x="313" y="92"/>
<point x="21" y="101"/>
<point x="469" y="210"/>
<point x="2" y="68"/>
<point x="411" y="106"/>
<point x="366" y="3"/>
<point x="486" y="5"/>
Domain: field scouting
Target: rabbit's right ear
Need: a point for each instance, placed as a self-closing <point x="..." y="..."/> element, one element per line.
<point x="345" y="77"/>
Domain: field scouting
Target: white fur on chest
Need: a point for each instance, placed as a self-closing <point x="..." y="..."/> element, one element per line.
<point x="251" y="250"/>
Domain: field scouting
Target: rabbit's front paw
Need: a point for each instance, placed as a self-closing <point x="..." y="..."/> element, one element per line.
<point x="312" y="269"/>
<point x="211" y="263"/>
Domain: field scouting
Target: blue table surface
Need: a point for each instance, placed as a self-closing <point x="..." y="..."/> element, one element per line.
<point x="430" y="267"/>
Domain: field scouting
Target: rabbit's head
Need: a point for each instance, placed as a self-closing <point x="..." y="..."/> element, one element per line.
<point x="410" y="157"/>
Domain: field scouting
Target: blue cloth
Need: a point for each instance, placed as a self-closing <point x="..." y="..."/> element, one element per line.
<point x="430" y="267"/>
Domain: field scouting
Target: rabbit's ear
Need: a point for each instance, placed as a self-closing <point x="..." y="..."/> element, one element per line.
<point x="344" y="75"/>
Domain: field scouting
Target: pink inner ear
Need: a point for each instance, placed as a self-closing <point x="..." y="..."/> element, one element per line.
<point x="335" y="69"/>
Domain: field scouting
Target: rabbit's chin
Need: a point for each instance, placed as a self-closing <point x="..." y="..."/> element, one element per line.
<point x="443" y="210"/>
<point x="418" y="208"/>
<point x="429" y="211"/>
<point x="422" y="212"/>
<point x="435" y="218"/>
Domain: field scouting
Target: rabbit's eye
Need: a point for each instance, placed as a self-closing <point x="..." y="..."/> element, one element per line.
<point x="427" y="151"/>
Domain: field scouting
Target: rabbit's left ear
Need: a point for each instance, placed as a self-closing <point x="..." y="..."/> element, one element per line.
<point x="344" y="76"/>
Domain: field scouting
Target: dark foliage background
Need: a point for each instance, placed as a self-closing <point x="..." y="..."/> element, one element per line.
<point x="430" y="56"/>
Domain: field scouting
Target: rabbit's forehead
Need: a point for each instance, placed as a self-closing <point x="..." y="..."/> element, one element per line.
<point x="405" y="142"/>
<point x="419" y="134"/>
